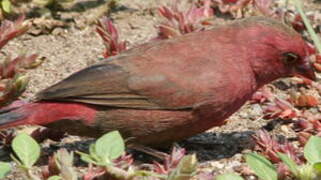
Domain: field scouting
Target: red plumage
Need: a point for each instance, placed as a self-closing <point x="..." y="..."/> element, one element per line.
<point x="168" y="90"/>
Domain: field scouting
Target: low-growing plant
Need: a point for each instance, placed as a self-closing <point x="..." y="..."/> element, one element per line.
<point x="109" y="152"/>
<point x="269" y="146"/>
<point x="109" y="33"/>
<point x="4" y="169"/>
<point x="27" y="152"/>
<point x="12" y="79"/>
<point x="106" y="158"/>
<point x="229" y="176"/>
<point x="64" y="164"/>
<point x="6" y="6"/>
<point x="307" y="170"/>
<point x="180" y="22"/>
<point x="105" y="152"/>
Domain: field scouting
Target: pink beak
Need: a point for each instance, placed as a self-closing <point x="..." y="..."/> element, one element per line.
<point x="305" y="70"/>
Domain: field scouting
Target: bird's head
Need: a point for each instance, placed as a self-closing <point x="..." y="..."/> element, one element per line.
<point x="297" y="64"/>
<point x="277" y="51"/>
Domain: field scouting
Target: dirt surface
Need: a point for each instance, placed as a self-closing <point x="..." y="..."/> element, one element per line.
<point x="72" y="44"/>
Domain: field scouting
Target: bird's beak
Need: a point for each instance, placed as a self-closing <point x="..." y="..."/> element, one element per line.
<point x="305" y="70"/>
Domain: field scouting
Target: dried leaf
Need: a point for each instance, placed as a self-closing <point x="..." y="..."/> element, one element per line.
<point x="305" y="100"/>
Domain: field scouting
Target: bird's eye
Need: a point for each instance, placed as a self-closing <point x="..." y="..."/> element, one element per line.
<point x="289" y="58"/>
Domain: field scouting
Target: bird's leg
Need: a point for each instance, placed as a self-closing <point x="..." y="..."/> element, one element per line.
<point x="147" y="150"/>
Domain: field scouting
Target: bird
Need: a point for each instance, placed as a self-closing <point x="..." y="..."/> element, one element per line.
<point x="165" y="91"/>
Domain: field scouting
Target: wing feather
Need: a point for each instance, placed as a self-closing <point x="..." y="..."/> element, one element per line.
<point x="102" y="84"/>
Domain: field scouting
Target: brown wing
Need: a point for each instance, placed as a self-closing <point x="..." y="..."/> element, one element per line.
<point x="166" y="74"/>
<point x="101" y="84"/>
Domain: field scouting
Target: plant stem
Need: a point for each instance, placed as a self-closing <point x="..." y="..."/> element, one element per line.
<point x="314" y="36"/>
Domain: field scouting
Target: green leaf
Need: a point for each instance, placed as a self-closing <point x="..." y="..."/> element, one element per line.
<point x="6" y="6"/>
<point x="93" y="154"/>
<point x="306" y="172"/>
<point x="230" y="176"/>
<point x="262" y="167"/>
<point x="43" y="2"/>
<point x="312" y="150"/>
<point x="86" y="157"/>
<point x="26" y="148"/>
<point x="290" y="163"/>
<point x="186" y="168"/>
<point x="317" y="167"/>
<point x="21" y="82"/>
<point x="54" y="178"/>
<point x="188" y="164"/>
<point x="64" y="1"/>
<point x="110" y="146"/>
<point x="5" y="169"/>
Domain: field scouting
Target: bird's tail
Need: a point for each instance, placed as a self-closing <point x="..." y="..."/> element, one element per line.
<point x="42" y="113"/>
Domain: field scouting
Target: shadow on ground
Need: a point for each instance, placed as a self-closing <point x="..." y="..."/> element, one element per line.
<point x="216" y="146"/>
